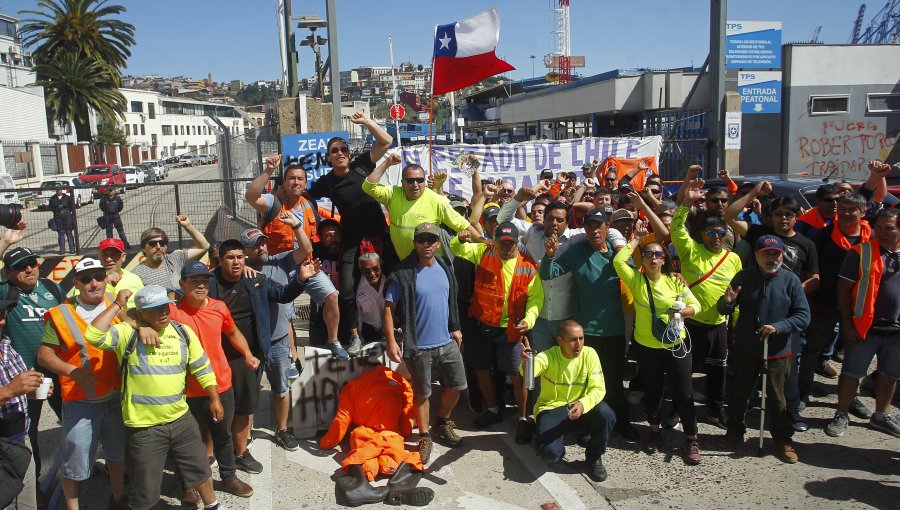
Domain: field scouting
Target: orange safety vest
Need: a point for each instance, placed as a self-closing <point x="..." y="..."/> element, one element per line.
<point x="490" y="289"/>
<point x="74" y="350"/>
<point x="281" y="235"/>
<point x="865" y="289"/>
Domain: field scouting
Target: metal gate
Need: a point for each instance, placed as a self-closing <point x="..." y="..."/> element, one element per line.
<point x="685" y="136"/>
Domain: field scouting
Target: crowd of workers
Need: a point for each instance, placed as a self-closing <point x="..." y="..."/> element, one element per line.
<point x="568" y="290"/>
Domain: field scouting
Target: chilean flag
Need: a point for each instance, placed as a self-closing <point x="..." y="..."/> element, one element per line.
<point x="464" y="52"/>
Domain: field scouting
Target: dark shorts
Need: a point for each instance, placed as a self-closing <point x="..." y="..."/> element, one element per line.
<point x="245" y="382"/>
<point x="446" y="360"/>
<point x="492" y="345"/>
<point x="146" y="452"/>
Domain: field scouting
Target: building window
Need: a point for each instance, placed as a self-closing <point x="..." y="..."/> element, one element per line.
<point x="167" y="130"/>
<point x="824" y="105"/>
<point x="137" y="107"/>
<point x="134" y="129"/>
<point x="883" y="103"/>
<point x="143" y="131"/>
<point x="153" y="140"/>
<point x="127" y="129"/>
<point x="151" y="110"/>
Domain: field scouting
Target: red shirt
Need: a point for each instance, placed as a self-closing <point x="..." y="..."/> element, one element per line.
<point x="209" y="323"/>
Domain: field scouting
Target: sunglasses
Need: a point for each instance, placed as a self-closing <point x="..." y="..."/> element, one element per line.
<point x="654" y="255"/>
<point x="716" y="233"/>
<point x="428" y="241"/>
<point x="784" y="214"/>
<point x="717" y="200"/>
<point x="654" y="191"/>
<point x="342" y="148"/>
<point x="371" y="270"/>
<point x="21" y="266"/>
<point x="88" y="278"/>
<point x="157" y="242"/>
<point x="410" y="180"/>
<point x="506" y="191"/>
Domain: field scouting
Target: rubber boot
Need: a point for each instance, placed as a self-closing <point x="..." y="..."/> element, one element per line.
<point x="404" y="478"/>
<point x="417" y="496"/>
<point x="353" y="489"/>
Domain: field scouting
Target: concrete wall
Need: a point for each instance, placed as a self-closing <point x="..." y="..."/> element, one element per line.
<point x="22" y="114"/>
<point x="843" y="143"/>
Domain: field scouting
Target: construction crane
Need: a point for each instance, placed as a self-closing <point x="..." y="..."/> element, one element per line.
<point x="884" y="27"/>
<point x="815" y="38"/>
<point x="857" y="25"/>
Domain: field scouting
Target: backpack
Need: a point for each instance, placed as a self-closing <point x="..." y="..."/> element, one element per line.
<point x="14" y="292"/>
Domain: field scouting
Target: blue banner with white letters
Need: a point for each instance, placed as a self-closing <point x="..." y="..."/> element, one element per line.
<point x="753" y="45"/>
<point x="760" y="91"/>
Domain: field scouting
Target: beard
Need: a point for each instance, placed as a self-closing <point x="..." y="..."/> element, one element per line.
<point x="772" y="268"/>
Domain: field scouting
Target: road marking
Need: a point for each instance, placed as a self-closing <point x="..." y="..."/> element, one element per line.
<point x="566" y="497"/>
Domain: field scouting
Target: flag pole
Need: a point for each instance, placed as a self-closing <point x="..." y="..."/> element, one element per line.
<point x="431" y="112"/>
<point x="396" y="100"/>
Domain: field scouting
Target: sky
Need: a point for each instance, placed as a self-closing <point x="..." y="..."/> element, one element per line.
<point x="238" y="39"/>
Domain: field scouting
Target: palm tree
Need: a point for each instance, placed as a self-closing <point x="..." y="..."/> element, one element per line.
<point x="79" y="48"/>
<point x="74" y="86"/>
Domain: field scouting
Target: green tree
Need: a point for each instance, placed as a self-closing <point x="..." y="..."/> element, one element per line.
<point x="72" y="37"/>
<point x="109" y="132"/>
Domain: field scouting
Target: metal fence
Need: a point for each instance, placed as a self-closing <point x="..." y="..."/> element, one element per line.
<point x="685" y="136"/>
<point x="10" y="148"/>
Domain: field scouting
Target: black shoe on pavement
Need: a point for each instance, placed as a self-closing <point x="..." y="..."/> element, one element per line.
<point x="595" y="470"/>
<point x="487" y="419"/>
<point x="417" y="496"/>
<point x="858" y="409"/>
<point x="246" y="462"/>
<point x="523" y="432"/>
<point x="285" y="439"/>
<point x="651" y="442"/>
<point x="797" y="421"/>
<point x="628" y="432"/>
<point x="716" y="416"/>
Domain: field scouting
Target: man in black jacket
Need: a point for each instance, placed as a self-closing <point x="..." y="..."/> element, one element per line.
<point x="773" y="308"/>
<point x="422" y="290"/>
<point x="63" y="208"/>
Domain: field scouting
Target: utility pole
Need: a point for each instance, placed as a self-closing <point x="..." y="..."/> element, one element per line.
<point x="717" y="20"/>
<point x="291" y="51"/>
<point x="331" y="14"/>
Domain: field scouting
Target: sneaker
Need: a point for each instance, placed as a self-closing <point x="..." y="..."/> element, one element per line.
<point x="487" y="419"/>
<point x="417" y="496"/>
<point x="785" y="452"/>
<point x="628" y="432"/>
<point x="838" y="357"/>
<point x="285" y="439"/>
<point x="212" y="461"/>
<point x="425" y="445"/>
<point x="523" y="432"/>
<point x="446" y="433"/>
<point x="595" y="469"/>
<point x="191" y="498"/>
<point x="885" y="423"/>
<point x="858" y="409"/>
<point x="355" y="346"/>
<point x="293" y="373"/>
<point x="337" y="351"/>
<point x="691" y="452"/>
<point x="827" y="371"/>
<point x="235" y="486"/>
<point x="797" y="421"/>
<point x="651" y="442"/>
<point x="838" y="425"/>
<point x="731" y="440"/>
<point x="246" y="462"/>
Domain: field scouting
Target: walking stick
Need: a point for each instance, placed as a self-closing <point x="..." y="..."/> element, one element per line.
<point x="762" y="405"/>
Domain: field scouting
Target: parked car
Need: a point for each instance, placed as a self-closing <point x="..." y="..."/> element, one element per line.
<point x="172" y="161"/>
<point x="8" y="195"/>
<point x="189" y="160"/>
<point x="102" y="176"/>
<point x="160" y="169"/>
<point x="48" y="187"/>
<point x="134" y="175"/>
<point x="205" y="159"/>
<point x="149" y="172"/>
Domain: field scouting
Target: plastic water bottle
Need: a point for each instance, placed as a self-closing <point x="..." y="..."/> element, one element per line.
<point x="677" y="321"/>
<point x="528" y="376"/>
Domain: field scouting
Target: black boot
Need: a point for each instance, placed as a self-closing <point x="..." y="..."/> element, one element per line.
<point x="404" y="478"/>
<point x="353" y="489"/>
<point x="417" y="496"/>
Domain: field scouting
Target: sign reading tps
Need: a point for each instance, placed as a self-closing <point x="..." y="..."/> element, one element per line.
<point x="753" y="45"/>
<point x="760" y="91"/>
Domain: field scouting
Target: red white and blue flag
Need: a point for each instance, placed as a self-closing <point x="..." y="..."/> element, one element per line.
<point x="465" y="52"/>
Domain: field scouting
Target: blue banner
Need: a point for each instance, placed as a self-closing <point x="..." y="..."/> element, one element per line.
<point x="760" y="91"/>
<point x="753" y="45"/>
<point x="310" y="150"/>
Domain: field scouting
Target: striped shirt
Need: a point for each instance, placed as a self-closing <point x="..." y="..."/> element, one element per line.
<point x="11" y="365"/>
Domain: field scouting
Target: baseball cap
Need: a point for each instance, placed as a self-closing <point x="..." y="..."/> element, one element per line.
<point x="607" y="209"/>
<point x="491" y="212"/>
<point x="586" y="166"/>
<point x="546" y="174"/>
<point x="88" y="264"/>
<point x="151" y="296"/>
<point x="458" y="204"/>
<point x="506" y="232"/>
<point x="622" y="214"/>
<point x="426" y="229"/>
<point x="596" y="214"/>
<point x="111" y="243"/>
<point x="195" y="268"/>
<point x="16" y="255"/>
<point x="769" y="242"/>
<point x="251" y="236"/>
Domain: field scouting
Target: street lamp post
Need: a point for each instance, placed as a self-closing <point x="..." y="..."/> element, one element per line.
<point x="532" y="66"/>
<point x="313" y="41"/>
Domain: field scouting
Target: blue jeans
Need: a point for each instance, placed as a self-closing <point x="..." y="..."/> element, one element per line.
<point x="277" y="367"/>
<point x="85" y="423"/>
<point x="553" y="425"/>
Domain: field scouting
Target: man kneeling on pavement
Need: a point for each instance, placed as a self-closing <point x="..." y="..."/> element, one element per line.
<point x="572" y="390"/>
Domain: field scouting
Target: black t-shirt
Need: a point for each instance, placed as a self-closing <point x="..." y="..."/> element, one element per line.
<point x="831" y="256"/>
<point x="331" y="263"/>
<point x="887" y="302"/>
<point x="799" y="251"/>
<point x="237" y="299"/>
<point x="361" y="215"/>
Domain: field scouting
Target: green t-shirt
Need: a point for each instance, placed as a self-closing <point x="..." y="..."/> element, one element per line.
<point x="25" y="323"/>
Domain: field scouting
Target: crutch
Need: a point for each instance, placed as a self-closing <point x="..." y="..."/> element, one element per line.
<point x="762" y="405"/>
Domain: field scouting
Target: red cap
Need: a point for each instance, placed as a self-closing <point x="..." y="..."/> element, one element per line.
<point x="112" y="243"/>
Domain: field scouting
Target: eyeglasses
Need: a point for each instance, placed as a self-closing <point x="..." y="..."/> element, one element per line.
<point x="157" y="242"/>
<point x="410" y="180"/>
<point x="654" y="191"/>
<point x="21" y="266"/>
<point x="721" y="200"/>
<point x="654" y="255"/>
<point x="784" y="214"/>
<point x="716" y="233"/>
<point x="371" y="270"/>
<point x="828" y="200"/>
<point x="428" y="241"/>
<point x="88" y="278"/>
<point x="342" y="148"/>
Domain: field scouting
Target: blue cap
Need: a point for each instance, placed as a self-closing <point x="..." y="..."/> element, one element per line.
<point x="195" y="268"/>
<point x="769" y="242"/>
<point x="151" y="296"/>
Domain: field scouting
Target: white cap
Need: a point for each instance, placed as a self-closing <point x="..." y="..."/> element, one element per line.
<point x="87" y="264"/>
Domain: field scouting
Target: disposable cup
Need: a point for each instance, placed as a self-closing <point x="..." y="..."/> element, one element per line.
<point x="43" y="389"/>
